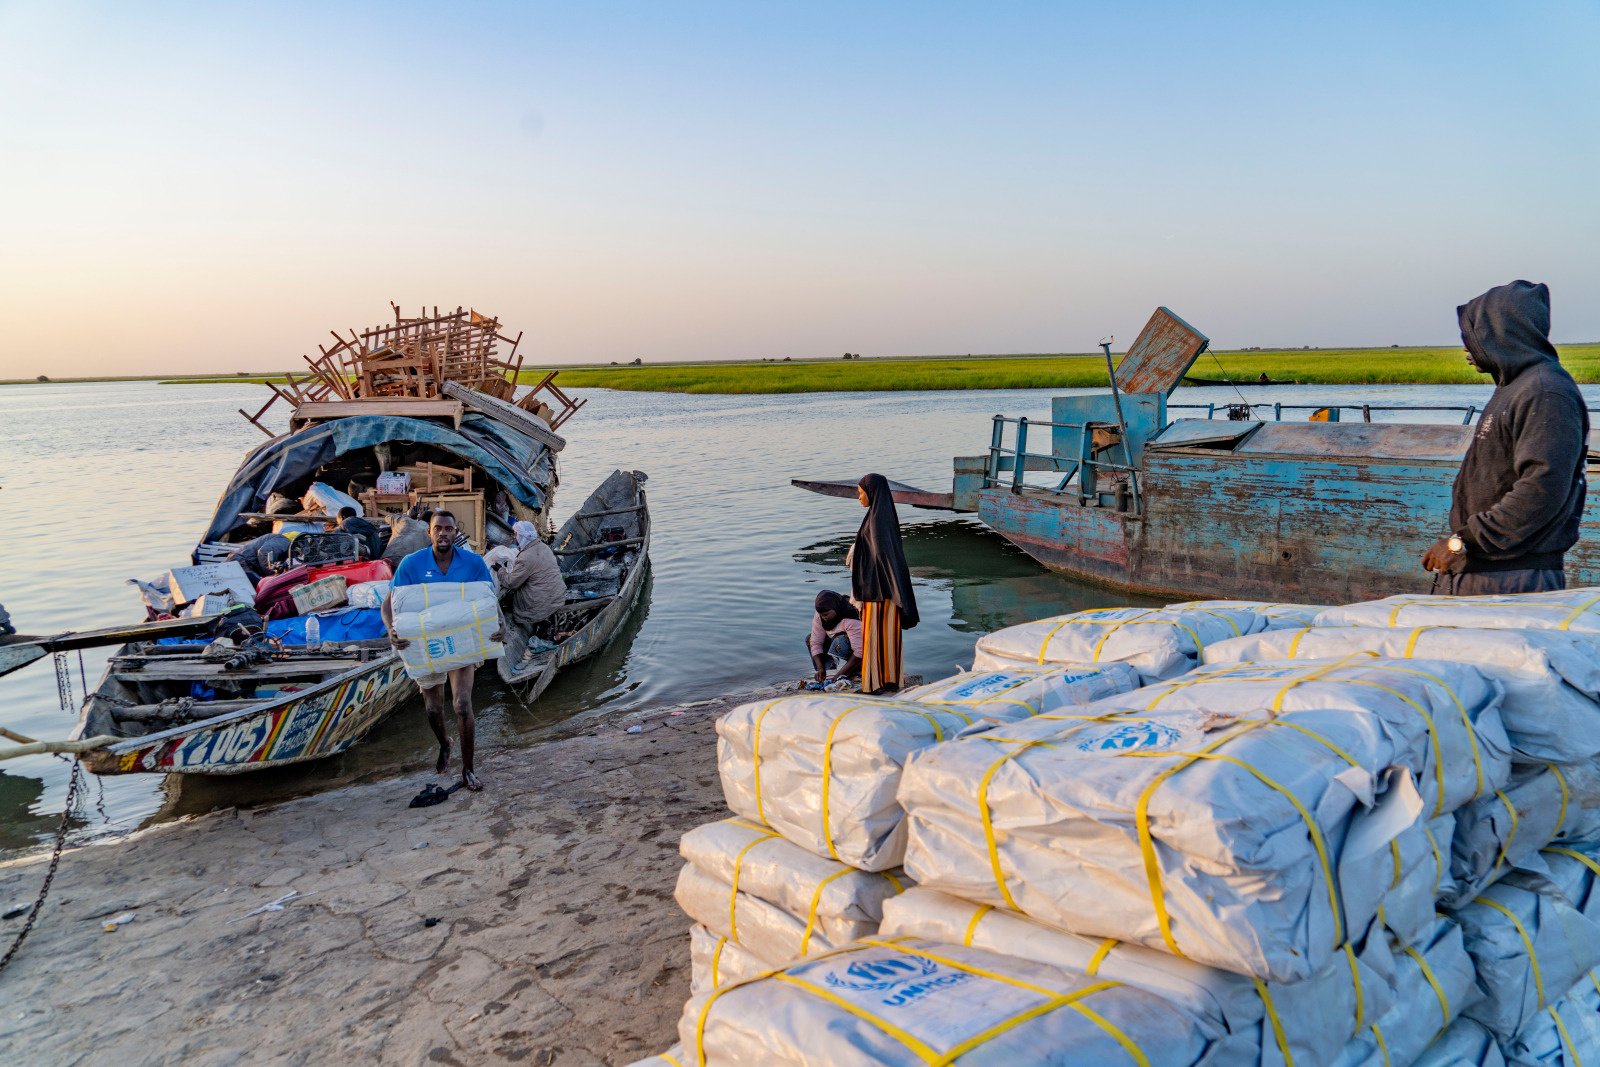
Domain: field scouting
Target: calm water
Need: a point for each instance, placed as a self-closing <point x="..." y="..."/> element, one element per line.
<point x="103" y="482"/>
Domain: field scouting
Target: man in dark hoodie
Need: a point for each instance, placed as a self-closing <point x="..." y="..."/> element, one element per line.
<point x="1518" y="497"/>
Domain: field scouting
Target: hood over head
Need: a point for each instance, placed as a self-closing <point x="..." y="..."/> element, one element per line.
<point x="1507" y="329"/>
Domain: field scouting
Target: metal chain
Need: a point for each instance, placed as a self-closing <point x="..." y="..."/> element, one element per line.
<point x="64" y="683"/>
<point x="55" y="860"/>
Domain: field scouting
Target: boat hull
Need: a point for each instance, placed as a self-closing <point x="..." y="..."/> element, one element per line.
<point x="321" y="721"/>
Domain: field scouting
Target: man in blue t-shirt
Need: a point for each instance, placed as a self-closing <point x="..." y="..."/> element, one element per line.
<point x="442" y="561"/>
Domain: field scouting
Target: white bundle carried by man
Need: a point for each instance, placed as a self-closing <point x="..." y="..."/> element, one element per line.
<point x="1574" y="610"/>
<point x="822" y="769"/>
<point x="773" y="898"/>
<point x="1433" y="982"/>
<point x="1464" y="1044"/>
<point x="1276" y="616"/>
<point x="716" y="960"/>
<point x="910" y="1002"/>
<point x="1269" y="1024"/>
<point x="1552" y="679"/>
<point x="1158" y="642"/>
<point x="1234" y="817"/>
<point x="447" y="625"/>
<point x="1529" y="945"/>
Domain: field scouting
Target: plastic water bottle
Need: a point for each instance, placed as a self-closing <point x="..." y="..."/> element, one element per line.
<point x="313" y="632"/>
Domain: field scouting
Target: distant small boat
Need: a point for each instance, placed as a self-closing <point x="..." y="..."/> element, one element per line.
<point x="604" y="552"/>
<point x="1187" y="380"/>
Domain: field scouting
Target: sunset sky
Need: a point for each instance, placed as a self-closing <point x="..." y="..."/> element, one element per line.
<point x="192" y="187"/>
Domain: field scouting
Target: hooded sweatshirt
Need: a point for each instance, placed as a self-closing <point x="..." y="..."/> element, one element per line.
<point x="1519" y="495"/>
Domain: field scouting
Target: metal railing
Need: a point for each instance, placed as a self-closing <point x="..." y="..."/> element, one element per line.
<point x="1086" y="467"/>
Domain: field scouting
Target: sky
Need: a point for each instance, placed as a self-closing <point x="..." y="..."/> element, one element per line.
<point x="197" y="187"/>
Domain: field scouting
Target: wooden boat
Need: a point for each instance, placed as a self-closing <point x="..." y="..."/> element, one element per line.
<point x="604" y="552"/>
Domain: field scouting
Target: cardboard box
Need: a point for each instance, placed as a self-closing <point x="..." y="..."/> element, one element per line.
<point x="191" y="583"/>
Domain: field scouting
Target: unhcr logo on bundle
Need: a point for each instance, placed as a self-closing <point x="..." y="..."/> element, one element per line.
<point x="1129" y="738"/>
<point x="905" y="979"/>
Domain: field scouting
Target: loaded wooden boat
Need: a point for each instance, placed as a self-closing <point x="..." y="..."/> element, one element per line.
<point x="414" y="415"/>
<point x="604" y="552"/>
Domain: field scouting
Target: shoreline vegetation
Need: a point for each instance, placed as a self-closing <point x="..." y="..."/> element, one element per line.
<point x="1320" y="366"/>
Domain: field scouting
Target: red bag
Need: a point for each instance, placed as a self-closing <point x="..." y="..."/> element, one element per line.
<point x="367" y="570"/>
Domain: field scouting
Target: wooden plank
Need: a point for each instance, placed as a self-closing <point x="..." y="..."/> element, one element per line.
<point x="902" y="493"/>
<point x="160" y="671"/>
<point x="119" y="635"/>
<point x="1161" y="355"/>
<point x="408" y="407"/>
<point x="513" y="416"/>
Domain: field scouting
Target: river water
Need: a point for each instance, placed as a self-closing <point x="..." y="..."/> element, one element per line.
<point x="103" y="482"/>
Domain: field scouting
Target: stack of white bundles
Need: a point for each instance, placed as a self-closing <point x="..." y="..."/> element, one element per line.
<point x="1506" y="830"/>
<point x="1158" y="642"/>
<point x="912" y="1002"/>
<point x="822" y="769"/>
<point x="773" y="898"/>
<point x="1276" y="616"/>
<point x="1465" y="1044"/>
<point x="1529" y="945"/>
<point x="1565" y="1034"/>
<point x="715" y="961"/>
<point x="1552" y="679"/>
<point x="1232" y="818"/>
<point x="1574" y="610"/>
<point x="1027" y="690"/>
<point x="1266" y="1023"/>
<point x="1433" y="983"/>
<point x="447" y="625"/>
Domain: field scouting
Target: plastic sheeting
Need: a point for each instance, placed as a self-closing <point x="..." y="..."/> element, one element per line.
<point x="517" y="462"/>
<point x="768" y="931"/>
<point x="822" y="769"/>
<point x="1276" y="615"/>
<point x="1575" y="870"/>
<point x="1158" y="643"/>
<point x="715" y="961"/>
<point x="1433" y="983"/>
<point x="328" y="500"/>
<point x="1316" y="1017"/>
<point x="1551" y="679"/>
<point x="765" y="866"/>
<point x="447" y="625"/>
<point x="367" y="594"/>
<point x="1234" y="820"/>
<point x="912" y="1002"/>
<point x="337" y="626"/>
<point x="1507" y="829"/>
<point x="1029" y="690"/>
<point x="1565" y="1034"/>
<point x="1416" y="873"/>
<point x="1529" y="945"/>
<point x="1573" y="610"/>
<point x="1465" y="1044"/>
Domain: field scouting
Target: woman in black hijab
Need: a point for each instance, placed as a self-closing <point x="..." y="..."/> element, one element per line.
<point x="880" y="582"/>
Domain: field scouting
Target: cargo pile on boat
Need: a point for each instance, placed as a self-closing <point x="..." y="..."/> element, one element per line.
<point x="1219" y="833"/>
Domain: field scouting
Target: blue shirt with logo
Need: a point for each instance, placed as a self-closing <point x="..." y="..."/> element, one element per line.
<point x="420" y="568"/>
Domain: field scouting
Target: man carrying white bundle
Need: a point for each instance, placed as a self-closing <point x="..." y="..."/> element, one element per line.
<point x="443" y="562"/>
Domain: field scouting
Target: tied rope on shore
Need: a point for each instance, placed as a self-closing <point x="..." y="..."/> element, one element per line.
<point x="55" y="860"/>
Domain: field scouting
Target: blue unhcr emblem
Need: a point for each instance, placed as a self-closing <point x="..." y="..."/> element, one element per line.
<point x="865" y="975"/>
<point x="1130" y="738"/>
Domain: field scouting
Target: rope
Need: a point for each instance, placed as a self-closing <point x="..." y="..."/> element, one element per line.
<point x="55" y="859"/>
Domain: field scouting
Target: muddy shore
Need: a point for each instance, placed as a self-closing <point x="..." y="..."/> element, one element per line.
<point x="554" y="936"/>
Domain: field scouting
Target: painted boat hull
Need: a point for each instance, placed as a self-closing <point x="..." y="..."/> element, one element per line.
<point x="318" y="722"/>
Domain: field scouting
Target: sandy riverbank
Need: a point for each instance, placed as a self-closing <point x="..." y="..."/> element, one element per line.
<point x="557" y="940"/>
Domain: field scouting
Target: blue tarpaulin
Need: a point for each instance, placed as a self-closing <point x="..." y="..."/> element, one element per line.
<point x="518" y="462"/>
<point x="350" y="624"/>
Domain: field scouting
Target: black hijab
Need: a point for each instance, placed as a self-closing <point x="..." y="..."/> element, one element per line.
<point x="836" y="603"/>
<point x="878" y="568"/>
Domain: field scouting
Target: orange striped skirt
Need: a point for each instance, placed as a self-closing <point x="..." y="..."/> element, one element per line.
<point x="881" y="660"/>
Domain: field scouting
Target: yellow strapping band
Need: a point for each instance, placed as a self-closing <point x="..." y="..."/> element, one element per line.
<point x="1466" y="720"/>
<point x="1579" y="610"/>
<point x="1572" y="1056"/>
<point x="670" y="1058"/>
<point x="733" y="893"/>
<point x="1433" y="737"/>
<point x="827" y="772"/>
<point x="921" y="1049"/>
<point x="1128" y="1044"/>
<point x="1355" y="984"/>
<point x="1045" y="644"/>
<point x="972" y="926"/>
<point x="898" y="888"/>
<point x="1383" y="1046"/>
<point x="1511" y="810"/>
<point x="988" y="823"/>
<point x="1099" y="956"/>
<point x="755" y="758"/>
<point x="1580" y="857"/>
<point x="1527" y="942"/>
<point x="1438" y="990"/>
<point x="1411" y="642"/>
<point x="1594" y="980"/>
<point x="1394" y="851"/>
<point x="1277" y="1024"/>
<point x="1438" y="860"/>
<point x="716" y="962"/>
<point x="816" y="898"/>
<point x="1294" y="644"/>
<point x="1561" y="780"/>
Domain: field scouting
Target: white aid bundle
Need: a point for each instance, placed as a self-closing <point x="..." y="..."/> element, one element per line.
<point x="822" y="769"/>
<point x="1583" y="801"/>
<point x="1012" y="692"/>
<point x="1315" y="1017"/>
<point x="1507" y="829"/>
<point x="1433" y="983"/>
<point x="1566" y="1034"/>
<point x="715" y="961"/>
<point x="765" y="929"/>
<point x="1243" y="837"/>
<point x="448" y="625"/>
<point x="1576" y="610"/>
<point x="1159" y="643"/>
<point x="1412" y="877"/>
<point x="1529" y="945"/>
<point x="911" y="1002"/>
<point x="1551" y="679"/>
<point x="1276" y="616"/>
<point x="1465" y="1044"/>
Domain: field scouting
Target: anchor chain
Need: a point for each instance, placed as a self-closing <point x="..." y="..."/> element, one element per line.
<point x="64" y="682"/>
<point x="55" y="860"/>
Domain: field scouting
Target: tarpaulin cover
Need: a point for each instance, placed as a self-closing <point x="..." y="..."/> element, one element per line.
<point x="1575" y="870"/>
<point x="1465" y="1044"/>
<point x="1032" y="690"/>
<point x="1530" y="945"/>
<point x="1551" y="678"/>
<point x="1159" y="643"/>
<point x="912" y="1002"/>
<point x="1276" y="615"/>
<point x="345" y="624"/>
<point x="768" y="931"/>
<point x="1565" y="1034"/>
<point x="1509" y="828"/>
<point x="1575" y="610"/>
<point x="1234" y="819"/>
<point x="1316" y="1017"/>
<point x="519" y="463"/>
<point x="1433" y="983"/>
<point x="715" y="961"/>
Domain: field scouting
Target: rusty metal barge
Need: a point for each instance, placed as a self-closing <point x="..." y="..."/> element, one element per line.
<point x="1125" y="489"/>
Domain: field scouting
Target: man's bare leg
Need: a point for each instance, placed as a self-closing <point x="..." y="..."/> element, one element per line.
<point x="461" y="680"/>
<point x="433" y="699"/>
